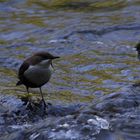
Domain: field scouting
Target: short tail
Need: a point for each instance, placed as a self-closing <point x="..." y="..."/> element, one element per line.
<point x="19" y="83"/>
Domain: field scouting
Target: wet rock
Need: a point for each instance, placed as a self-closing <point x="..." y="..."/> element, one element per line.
<point x="67" y="123"/>
<point x="14" y="136"/>
<point x="3" y="109"/>
<point x="120" y="108"/>
<point x="113" y="113"/>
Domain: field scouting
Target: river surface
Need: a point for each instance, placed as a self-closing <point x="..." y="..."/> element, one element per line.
<point x="94" y="39"/>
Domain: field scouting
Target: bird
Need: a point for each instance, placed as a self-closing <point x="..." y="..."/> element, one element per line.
<point x="35" y="71"/>
<point x="138" y="49"/>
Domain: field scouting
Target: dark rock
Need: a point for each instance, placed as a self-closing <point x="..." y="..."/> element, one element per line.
<point x="118" y="112"/>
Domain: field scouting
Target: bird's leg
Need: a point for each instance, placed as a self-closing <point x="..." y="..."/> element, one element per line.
<point x="42" y="97"/>
<point x="29" y="100"/>
<point x="27" y="90"/>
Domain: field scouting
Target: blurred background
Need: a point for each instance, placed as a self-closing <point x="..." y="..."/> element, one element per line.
<point x="94" y="38"/>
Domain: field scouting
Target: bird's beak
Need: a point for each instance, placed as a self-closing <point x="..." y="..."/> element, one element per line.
<point x="55" y="57"/>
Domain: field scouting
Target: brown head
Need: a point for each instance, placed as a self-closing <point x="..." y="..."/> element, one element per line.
<point x="40" y="56"/>
<point x="45" y="55"/>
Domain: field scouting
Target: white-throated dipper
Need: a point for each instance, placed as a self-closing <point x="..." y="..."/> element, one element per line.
<point x="35" y="71"/>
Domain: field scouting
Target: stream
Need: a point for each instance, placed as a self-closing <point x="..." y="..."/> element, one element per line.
<point x="94" y="92"/>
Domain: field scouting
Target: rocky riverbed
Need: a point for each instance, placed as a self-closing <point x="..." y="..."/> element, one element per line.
<point x="113" y="116"/>
<point x="93" y="93"/>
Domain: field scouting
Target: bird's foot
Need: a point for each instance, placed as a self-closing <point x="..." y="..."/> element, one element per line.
<point x="136" y="85"/>
<point x="36" y="106"/>
<point x="30" y="105"/>
<point x="49" y="104"/>
<point x="43" y="104"/>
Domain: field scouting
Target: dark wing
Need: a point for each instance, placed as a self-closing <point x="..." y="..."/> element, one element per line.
<point x="30" y="61"/>
<point x="23" y="68"/>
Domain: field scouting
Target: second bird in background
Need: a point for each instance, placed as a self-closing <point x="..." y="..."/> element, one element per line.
<point x="138" y="50"/>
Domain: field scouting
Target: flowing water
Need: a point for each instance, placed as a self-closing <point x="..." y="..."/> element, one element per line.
<point x="95" y="40"/>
